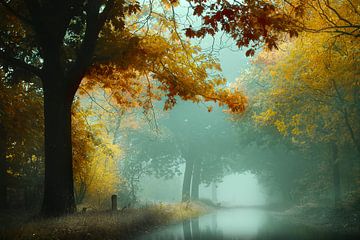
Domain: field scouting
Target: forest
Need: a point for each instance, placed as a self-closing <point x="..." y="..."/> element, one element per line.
<point x="179" y="119"/>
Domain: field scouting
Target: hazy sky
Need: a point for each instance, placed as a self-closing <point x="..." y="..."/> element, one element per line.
<point x="233" y="63"/>
<point x="237" y="189"/>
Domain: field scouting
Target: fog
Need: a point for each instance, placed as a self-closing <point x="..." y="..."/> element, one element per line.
<point x="237" y="190"/>
<point x="233" y="190"/>
<point x="179" y="119"/>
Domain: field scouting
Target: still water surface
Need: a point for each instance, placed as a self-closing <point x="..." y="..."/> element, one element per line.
<point x="236" y="224"/>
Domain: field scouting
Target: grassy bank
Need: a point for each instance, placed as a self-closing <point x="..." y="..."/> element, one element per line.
<point x="97" y="225"/>
<point x="333" y="219"/>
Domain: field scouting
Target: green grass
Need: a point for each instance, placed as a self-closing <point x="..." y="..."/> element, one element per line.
<point x="99" y="225"/>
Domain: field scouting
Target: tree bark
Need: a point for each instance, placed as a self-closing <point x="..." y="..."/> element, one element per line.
<point x="50" y="21"/>
<point x="3" y="177"/>
<point x="195" y="181"/>
<point x="336" y="175"/>
<point x="58" y="186"/>
<point x="189" y="166"/>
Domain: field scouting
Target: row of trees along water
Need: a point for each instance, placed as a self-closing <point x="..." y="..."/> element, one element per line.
<point x="75" y="74"/>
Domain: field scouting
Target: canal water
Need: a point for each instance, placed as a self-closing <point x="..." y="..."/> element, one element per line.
<point x="238" y="224"/>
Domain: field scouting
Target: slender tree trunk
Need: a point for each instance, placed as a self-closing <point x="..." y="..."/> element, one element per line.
<point x="195" y="181"/>
<point x="214" y="192"/>
<point x="80" y="192"/>
<point x="189" y="166"/>
<point x="3" y="177"/>
<point x="132" y="190"/>
<point x="58" y="186"/>
<point x="336" y="175"/>
<point x="350" y="128"/>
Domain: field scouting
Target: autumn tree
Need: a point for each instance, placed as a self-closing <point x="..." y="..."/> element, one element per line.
<point x="21" y="151"/>
<point x="310" y="94"/>
<point x="95" y="156"/>
<point x="339" y="18"/>
<point x="276" y="162"/>
<point x="61" y="42"/>
<point x="96" y="159"/>
<point x="307" y="91"/>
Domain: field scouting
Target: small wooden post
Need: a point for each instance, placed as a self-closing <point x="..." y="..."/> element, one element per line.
<point x="114" y="202"/>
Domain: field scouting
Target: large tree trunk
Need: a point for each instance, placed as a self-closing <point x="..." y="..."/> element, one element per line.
<point x="195" y="181"/>
<point x="336" y="175"/>
<point x="59" y="187"/>
<point x="189" y="166"/>
<point x="3" y="177"/>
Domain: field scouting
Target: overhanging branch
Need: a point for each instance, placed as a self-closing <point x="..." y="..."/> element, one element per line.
<point x="17" y="63"/>
<point x="94" y="23"/>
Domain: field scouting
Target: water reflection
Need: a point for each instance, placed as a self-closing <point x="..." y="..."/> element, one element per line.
<point x="237" y="224"/>
<point x="187" y="230"/>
